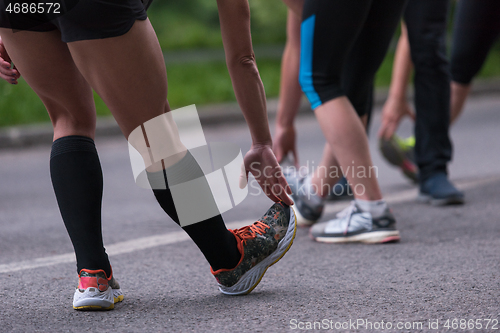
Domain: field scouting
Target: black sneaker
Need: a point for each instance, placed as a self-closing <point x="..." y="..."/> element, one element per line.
<point x="308" y="208"/>
<point x="341" y="191"/>
<point x="439" y="191"/>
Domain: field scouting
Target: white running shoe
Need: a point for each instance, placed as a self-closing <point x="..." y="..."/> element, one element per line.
<point x="96" y="291"/>
<point x="354" y="225"/>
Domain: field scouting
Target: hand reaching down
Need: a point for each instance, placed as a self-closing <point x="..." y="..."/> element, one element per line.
<point x="6" y="72"/>
<point x="261" y="162"/>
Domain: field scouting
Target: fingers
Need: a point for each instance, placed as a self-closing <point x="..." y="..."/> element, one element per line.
<point x="390" y="121"/>
<point x="383" y="126"/>
<point x="411" y="115"/>
<point x="279" y="154"/>
<point x="275" y="189"/>
<point x="269" y="191"/>
<point x="267" y="187"/>
<point x="262" y="163"/>
<point x="280" y="150"/>
<point x="243" y="181"/>
<point x="387" y="129"/>
<point x="273" y="183"/>
<point x="275" y="186"/>
<point x="287" y="191"/>
<point x="382" y="130"/>
<point x="8" y="74"/>
<point x="284" y="184"/>
<point x="390" y="129"/>
<point x="392" y="113"/>
<point x="284" y="143"/>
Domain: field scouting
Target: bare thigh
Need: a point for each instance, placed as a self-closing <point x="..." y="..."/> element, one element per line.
<point x="48" y="67"/>
<point x="128" y="72"/>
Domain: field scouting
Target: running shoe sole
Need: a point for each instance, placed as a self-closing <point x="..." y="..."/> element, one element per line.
<point x="374" y="237"/>
<point x="426" y="198"/>
<point x="252" y="278"/>
<point x="91" y="299"/>
<point x="302" y="222"/>
<point x="117" y="295"/>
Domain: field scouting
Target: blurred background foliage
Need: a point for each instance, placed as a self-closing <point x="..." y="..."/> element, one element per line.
<point x="192" y="27"/>
<point x="192" y="24"/>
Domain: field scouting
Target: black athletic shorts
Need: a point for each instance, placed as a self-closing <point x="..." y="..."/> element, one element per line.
<point x="476" y="29"/>
<point x="343" y="43"/>
<point x="75" y="19"/>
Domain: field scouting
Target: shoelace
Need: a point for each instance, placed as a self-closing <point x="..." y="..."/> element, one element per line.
<point x="251" y="231"/>
<point x="347" y="212"/>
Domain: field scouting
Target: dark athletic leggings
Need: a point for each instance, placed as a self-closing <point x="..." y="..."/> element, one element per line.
<point x="343" y="43"/>
<point x="476" y="28"/>
<point x="426" y="23"/>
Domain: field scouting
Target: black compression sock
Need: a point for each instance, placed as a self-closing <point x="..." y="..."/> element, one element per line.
<point x="77" y="179"/>
<point x="217" y="244"/>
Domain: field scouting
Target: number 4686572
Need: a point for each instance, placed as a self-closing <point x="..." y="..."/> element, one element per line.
<point x="34" y="8"/>
<point x="471" y="324"/>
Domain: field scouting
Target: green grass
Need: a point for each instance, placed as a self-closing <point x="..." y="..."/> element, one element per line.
<point x="383" y="77"/>
<point x="199" y="83"/>
<point x="194" y="24"/>
<point x="196" y="83"/>
<point x="177" y="31"/>
<point x="210" y="82"/>
<point x="20" y="105"/>
<point x="491" y="67"/>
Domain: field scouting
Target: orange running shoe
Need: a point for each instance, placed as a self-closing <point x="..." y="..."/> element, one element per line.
<point x="261" y="244"/>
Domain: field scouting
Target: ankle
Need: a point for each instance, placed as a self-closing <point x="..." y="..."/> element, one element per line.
<point x="375" y="207"/>
<point x="313" y="191"/>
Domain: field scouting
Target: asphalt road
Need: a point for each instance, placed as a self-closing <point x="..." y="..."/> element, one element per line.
<point x="445" y="267"/>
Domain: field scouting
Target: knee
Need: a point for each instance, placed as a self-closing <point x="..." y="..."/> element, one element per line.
<point x="77" y="121"/>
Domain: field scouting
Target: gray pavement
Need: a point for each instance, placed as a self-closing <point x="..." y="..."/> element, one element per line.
<point x="446" y="266"/>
